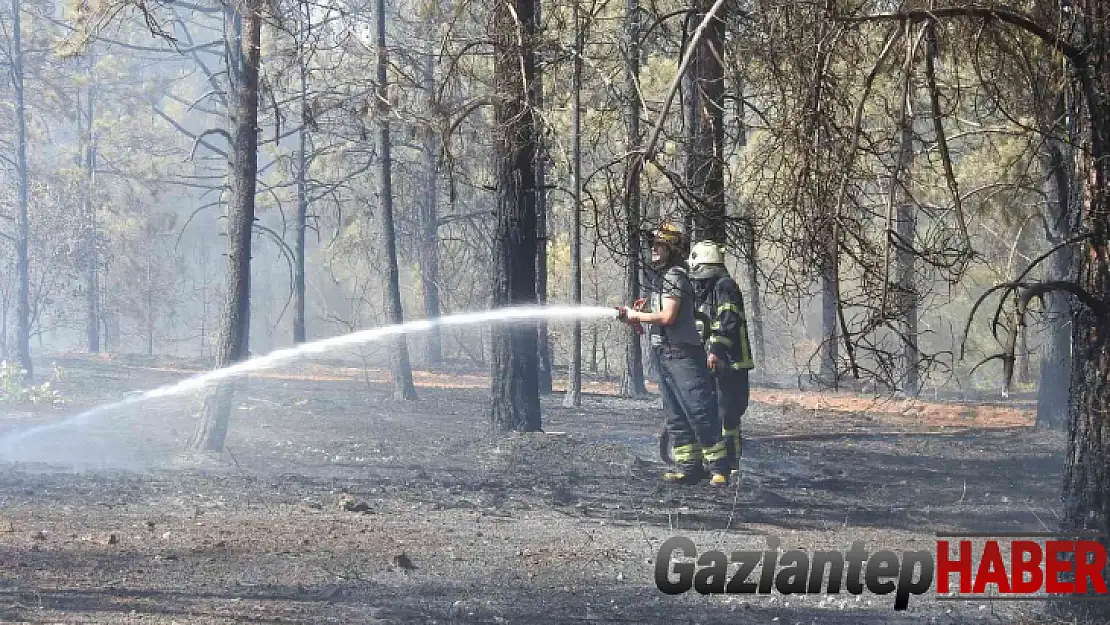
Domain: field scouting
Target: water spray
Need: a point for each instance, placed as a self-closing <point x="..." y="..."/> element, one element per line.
<point x="288" y="355"/>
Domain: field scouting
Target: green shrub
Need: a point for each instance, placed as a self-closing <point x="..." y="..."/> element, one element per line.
<point x="13" y="391"/>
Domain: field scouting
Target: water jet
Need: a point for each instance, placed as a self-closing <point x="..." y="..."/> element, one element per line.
<point x="9" y="444"/>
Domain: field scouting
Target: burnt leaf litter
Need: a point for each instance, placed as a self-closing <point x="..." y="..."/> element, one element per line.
<point x="336" y="504"/>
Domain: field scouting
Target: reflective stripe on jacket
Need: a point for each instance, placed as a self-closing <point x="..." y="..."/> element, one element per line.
<point x="722" y="302"/>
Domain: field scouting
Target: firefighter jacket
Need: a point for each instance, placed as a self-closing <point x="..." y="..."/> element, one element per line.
<point x="718" y="298"/>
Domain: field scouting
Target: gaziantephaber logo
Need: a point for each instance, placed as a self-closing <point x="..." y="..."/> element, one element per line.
<point x="1025" y="566"/>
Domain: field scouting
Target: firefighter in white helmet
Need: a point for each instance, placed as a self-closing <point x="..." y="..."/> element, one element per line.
<point x="693" y="423"/>
<point x="728" y="351"/>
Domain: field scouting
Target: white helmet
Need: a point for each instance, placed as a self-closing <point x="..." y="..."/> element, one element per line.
<point x="706" y="253"/>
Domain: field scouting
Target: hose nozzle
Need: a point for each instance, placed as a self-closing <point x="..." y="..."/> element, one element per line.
<point x="622" y="315"/>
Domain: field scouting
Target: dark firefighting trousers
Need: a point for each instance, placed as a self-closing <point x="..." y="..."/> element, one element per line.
<point x="693" y="421"/>
<point x="733" y="393"/>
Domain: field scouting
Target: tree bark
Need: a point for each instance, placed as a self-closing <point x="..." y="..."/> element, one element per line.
<point x="830" y="335"/>
<point x="1060" y="194"/>
<point x="545" y="366"/>
<point x="150" y="304"/>
<point x="906" y="226"/>
<point x="1086" y="493"/>
<point x="647" y="279"/>
<point x="92" y="281"/>
<point x="403" y="387"/>
<point x="690" y="136"/>
<point x="515" y="401"/>
<point x="4" y="326"/>
<point x="706" y="165"/>
<point x="751" y="248"/>
<point x="429" y="217"/>
<point x="243" y="43"/>
<point x="755" y="300"/>
<point x="23" y="226"/>
<point x="300" y="332"/>
<point x="203" y="300"/>
<point x="632" y="381"/>
<point x="573" y="398"/>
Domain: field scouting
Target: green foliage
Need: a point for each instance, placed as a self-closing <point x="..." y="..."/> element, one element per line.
<point x="13" y="390"/>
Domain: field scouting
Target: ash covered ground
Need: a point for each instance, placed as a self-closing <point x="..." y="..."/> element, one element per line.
<point x="337" y="504"/>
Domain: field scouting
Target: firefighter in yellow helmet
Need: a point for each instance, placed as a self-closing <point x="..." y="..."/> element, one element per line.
<point x="729" y="353"/>
<point x="684" y="380"/>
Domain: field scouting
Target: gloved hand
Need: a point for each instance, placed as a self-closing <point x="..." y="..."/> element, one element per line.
<point x="623" y="316"/>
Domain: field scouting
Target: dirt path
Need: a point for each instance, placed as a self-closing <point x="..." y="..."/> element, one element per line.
<point x="559" y="527"/>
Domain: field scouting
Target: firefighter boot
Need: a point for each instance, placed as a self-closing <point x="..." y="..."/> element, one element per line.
<point x="733" y="445"/>
<point x="716" y="460"/>
<point x="688" y="469"/>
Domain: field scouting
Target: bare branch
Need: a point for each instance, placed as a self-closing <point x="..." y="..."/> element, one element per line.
<point x="1074" y="54"/>
<point x="185" y="131"/>
<point x="211" y="131"/>
<point x="942" y="142"/>
<point x="649" y="149"/>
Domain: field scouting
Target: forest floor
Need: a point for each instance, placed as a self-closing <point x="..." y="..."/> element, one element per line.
<point x="104" y="521"/>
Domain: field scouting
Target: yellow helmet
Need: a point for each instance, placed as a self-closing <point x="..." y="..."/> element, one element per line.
<point x="669" y="234"/>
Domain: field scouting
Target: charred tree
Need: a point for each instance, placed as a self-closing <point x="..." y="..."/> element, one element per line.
<point x="403" y="387"/>
<point x="755" y="300"/>
<point x="429" y="221"/>
<point x="705" y="165"/>
<point x="150" y="304"/>
<point x="22" y="225"/>
<point x="515" y="400"/>
<point x="243" y="35"/>
<point x="300" y="332"/>
<point x="1087" y="466"/>
<point x="750" y="244"/>
<point x="573" y="398"/>
<point x="632" y="382"/>
<point x="92" y="278"/>
<point x="1053" y="387"/>
<point x="541" y="225"/>
<point x="830" y="336"/>
<point x="905" y="229"/>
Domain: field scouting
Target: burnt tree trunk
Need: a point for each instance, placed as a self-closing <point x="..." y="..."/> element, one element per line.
<point x="23" y="226"/>
<point x="1023" y="369"/>
<point x="755" y="300"/>
<point x="1086" y="493"/>
<point x="92" y="283"/>
<point x="1053" y="388"/>
<point x="573" y="398"/>
<point x="150" y="304"/>
<point x="632" y="382"/>
<point x="403" y="387"/>
<point x="541" y="226"/>
<point x="300" y="332"/>
<point x="830" y="335"/>
<point x="689" y="137"/>
<point x="751" y="245"/>
<point x="705" y="173"/>
<point x="429" y="223"/>
<point x="648" y="276"/>
<point x="906" y="227"/>
<point x="515" y="400"/>
<point x="243" y="42"/>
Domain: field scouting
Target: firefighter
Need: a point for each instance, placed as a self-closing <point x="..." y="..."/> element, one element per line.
<point x="728" y="351"/>
<point x="684" y="381"/>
